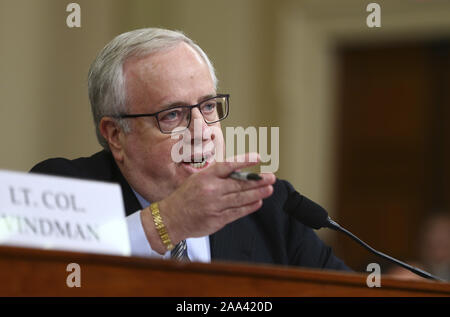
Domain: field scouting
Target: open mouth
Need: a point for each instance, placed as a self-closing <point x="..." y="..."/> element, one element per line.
<point x="199" y="162"/>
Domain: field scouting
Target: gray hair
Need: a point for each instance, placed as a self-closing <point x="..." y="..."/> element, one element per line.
<point x="106" y="83"/>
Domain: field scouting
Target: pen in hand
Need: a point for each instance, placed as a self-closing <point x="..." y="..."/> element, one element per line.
<point x="245" y="176"/>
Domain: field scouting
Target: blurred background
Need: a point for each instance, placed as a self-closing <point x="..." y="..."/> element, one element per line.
<point x="363" y="112"/>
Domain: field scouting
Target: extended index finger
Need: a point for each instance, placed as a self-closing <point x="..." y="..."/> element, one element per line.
<point x="224" y="169"/>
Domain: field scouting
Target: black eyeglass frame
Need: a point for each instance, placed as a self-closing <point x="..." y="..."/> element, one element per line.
<point x="227" y="98"/>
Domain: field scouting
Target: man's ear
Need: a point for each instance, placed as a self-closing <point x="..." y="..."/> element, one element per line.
<point x="113" y="134"/>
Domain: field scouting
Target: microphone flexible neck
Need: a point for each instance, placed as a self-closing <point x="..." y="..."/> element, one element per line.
<point x="335" y="226"/>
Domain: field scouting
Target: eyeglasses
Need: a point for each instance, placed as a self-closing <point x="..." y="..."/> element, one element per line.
<point x="178" y="118"/>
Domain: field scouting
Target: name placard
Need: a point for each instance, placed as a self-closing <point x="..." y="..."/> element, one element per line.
<point x="62" y="213"/>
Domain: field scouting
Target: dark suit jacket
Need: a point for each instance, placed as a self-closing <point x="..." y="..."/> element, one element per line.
<point x="267" y="236"/>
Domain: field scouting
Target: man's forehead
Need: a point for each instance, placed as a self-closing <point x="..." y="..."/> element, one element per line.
<point x="175" y="76"/>
<point x="170" y="101"/>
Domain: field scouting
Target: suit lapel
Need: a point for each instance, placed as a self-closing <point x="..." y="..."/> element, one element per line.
<point x="130" y="200"/>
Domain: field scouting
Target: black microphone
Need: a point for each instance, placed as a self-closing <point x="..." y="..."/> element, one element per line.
<point x="315" y="216"/>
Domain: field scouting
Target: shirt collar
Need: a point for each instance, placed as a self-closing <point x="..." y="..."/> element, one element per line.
<point x="144" y="203"/>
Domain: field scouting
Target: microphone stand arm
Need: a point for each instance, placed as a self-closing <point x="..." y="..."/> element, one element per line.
<point x="335" y="226"/>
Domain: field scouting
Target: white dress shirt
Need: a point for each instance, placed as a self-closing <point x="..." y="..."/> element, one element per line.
<point x="198" y="248"/>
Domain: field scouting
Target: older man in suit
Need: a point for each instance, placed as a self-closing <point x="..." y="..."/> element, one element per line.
<point x="145" y="87"/>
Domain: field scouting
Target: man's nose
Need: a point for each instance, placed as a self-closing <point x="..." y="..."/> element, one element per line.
<point x="198" y="127"/>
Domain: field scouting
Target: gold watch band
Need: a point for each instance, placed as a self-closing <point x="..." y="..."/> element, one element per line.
<point x="160" y="227"/>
